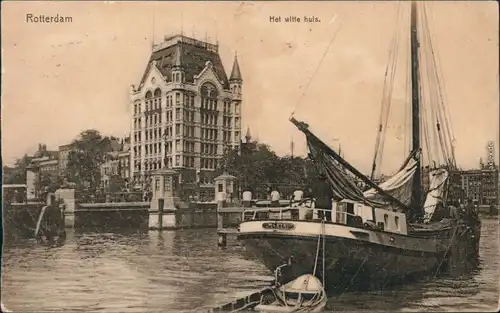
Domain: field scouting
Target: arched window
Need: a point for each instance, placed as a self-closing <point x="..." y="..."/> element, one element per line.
<point x="209" y="94"/>
<point x="157" y="100"/>
<point x="208" y="90"/>
<point x="137" y="107"/>
<point x="149" y="95"/>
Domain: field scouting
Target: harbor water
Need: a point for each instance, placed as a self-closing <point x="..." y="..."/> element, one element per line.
<point x="183" y="271"/>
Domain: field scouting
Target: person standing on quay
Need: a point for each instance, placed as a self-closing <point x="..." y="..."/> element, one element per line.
<point x="323" y="195"/>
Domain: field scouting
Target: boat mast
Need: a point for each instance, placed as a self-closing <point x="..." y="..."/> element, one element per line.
<point x="415" y="104"/>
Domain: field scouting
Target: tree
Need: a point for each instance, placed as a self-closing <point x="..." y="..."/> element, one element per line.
<point x="88" y="153"/>
<point x="259" y="168"/>
<point x="49" y="182"/>
<point x="17" y="174"/>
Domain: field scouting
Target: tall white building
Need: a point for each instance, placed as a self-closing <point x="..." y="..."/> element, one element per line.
<point x="186" y="113"/>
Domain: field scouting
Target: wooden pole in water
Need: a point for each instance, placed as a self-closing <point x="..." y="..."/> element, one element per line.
<point x="222" y="237"/>
<point x="222" y="240"/>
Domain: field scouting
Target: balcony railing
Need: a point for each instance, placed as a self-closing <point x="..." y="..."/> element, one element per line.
<point x="302" y="214"/>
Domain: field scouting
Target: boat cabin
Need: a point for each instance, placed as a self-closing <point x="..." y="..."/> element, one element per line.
<point x="345" y="212"/>
<point x="354" y="213"/>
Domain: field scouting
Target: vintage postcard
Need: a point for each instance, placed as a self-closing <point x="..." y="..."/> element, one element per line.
<point x="224" y="156"/>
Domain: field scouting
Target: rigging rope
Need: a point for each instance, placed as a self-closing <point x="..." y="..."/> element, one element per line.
<point x="408" y="98"/>
<point x="424" y="127"/>
<point x="443" y="132"/>
<point x="431" y="96"/>
<point x="435" y="101"/>
<point x="386" y="96"/>
<point x="382" y="111"/>
<point x="317" y="68"/>
<point x="442" y="104"/>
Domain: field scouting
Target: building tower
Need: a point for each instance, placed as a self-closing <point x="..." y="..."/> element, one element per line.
<point x="185" y="111"/>
<point x="491" y="155"/>
<point x="178" y="68"/>
<point x="248" y="135"/>
<point x="234" y="118"/>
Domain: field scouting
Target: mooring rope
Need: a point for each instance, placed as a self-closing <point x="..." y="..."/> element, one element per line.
<point x="353" y="277"/>
<point x="323" y="262"/>
<point x="317" y="252"/>
<point x="447" y="250"/>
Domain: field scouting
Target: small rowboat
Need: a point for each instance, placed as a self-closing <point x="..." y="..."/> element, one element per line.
<point x="50" y="228"/>
<point x="304" y="294"/>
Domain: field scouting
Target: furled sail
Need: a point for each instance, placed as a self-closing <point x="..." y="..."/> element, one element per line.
<point x="435" y="197"/>
<point x="399" y="185"/>
<point x="339" y="173"/>
<point x="343" y="186"/>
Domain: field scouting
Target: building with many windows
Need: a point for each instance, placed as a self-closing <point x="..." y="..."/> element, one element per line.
<point x="481" y="185"/>
<point x="64" y="152"/>
<point x="186" y="112"/>
<point x="42" y="170"/>
<point x="116" y="167"/>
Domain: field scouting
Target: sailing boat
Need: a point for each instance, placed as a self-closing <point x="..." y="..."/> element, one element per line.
<point x="390" y="231"/>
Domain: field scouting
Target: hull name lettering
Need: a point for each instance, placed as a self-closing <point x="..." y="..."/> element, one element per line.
<point x="278" y="225"/>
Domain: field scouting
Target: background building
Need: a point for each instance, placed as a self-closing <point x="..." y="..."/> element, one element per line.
<point x="43" y="170"/>
<point x="115" y="170"/>
<point x="124" y="162"/>
<point x="481" y="185"/>
<point x="109" y="170"/>
<point x="64" y="152"/>
<point x="186" y="113"/>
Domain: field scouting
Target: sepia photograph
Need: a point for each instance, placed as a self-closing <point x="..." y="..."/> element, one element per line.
<point x="250" y="156"/>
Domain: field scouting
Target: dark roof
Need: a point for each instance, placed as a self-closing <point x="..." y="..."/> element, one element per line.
<point x="236" y="73"/>
<point x="193" y="60"/>
<point x="225" y="176"/>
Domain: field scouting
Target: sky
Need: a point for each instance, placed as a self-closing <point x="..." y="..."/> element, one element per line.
<point x="60" y="79"/>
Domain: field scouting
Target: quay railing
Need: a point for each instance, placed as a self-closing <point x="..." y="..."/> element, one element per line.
<point x="121" y="197"/>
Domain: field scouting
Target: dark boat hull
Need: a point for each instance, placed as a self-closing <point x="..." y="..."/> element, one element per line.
<point x="345" y="262"/>
<point x="365" y="262"/>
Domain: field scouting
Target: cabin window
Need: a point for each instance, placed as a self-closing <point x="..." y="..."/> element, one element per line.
<point x="386" y="220"/>
<point x="396" y="221"/>
<point x="350" y="213"/>
<point x="340" y="213"/>
<point x="261" y="215"/>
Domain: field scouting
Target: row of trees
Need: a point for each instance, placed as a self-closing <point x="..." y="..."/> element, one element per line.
<point x="16" y="174"/>
<point x="84" y="160"/>
<point x="83" y="167"/>
<point x="259" y="168"/>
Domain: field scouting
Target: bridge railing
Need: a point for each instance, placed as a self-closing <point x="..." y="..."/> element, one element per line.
<point x="85" y="197"/>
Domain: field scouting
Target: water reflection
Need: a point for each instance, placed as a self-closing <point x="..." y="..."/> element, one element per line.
<point x="178" y="271"/>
